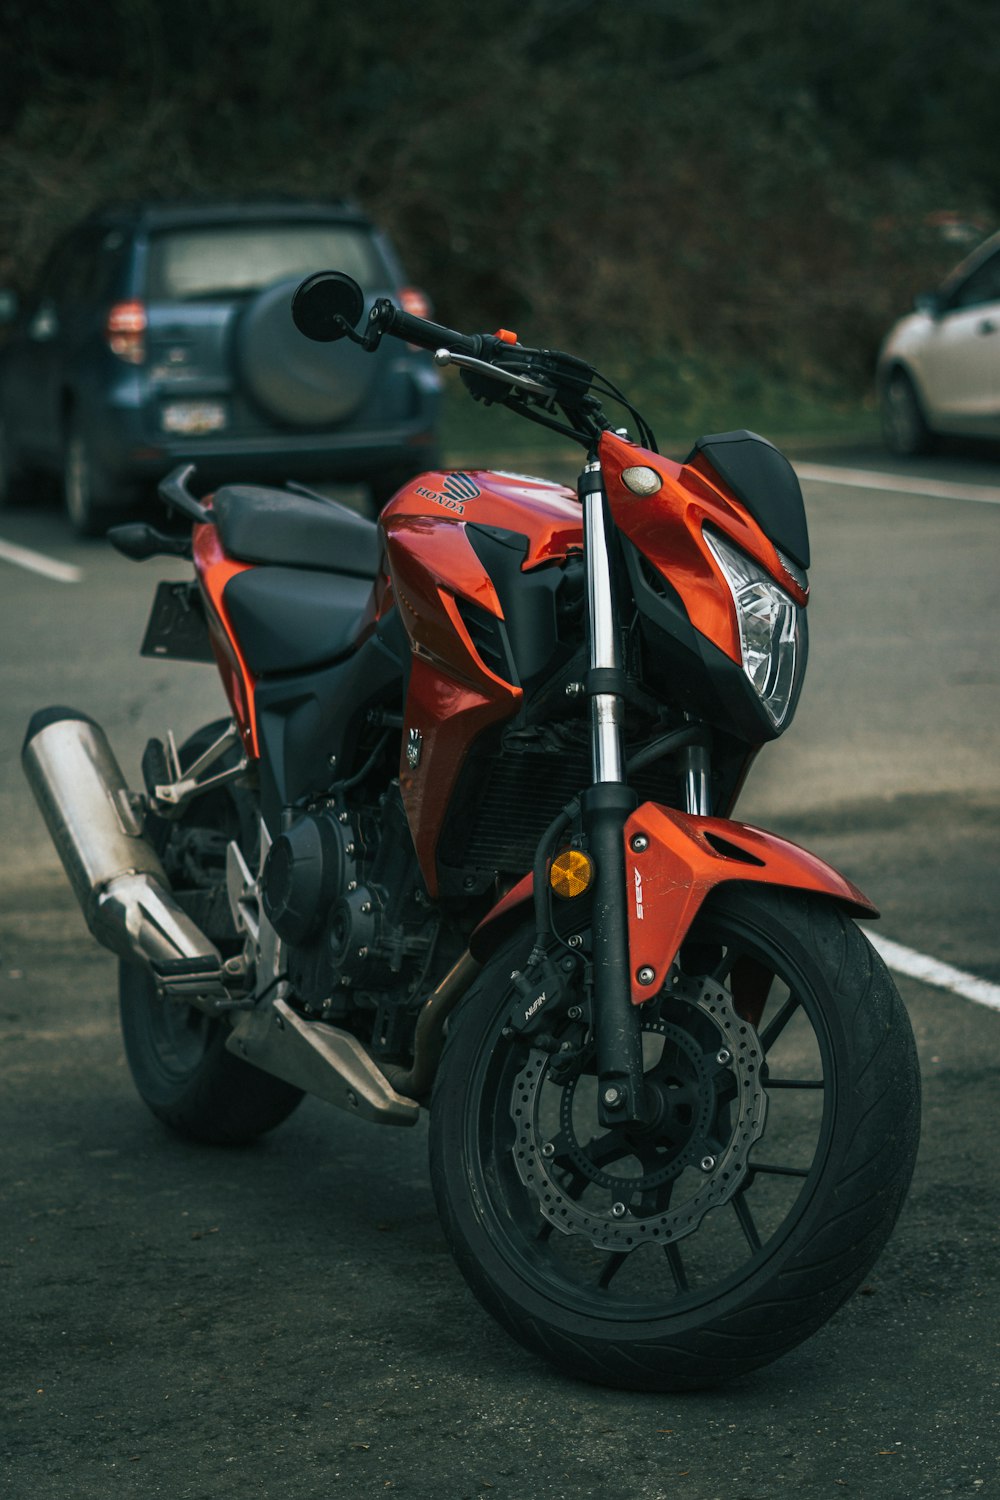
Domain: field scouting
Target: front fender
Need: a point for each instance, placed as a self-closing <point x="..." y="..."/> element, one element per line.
<point x="674" y="860"/>
<point x="669" y="877"/>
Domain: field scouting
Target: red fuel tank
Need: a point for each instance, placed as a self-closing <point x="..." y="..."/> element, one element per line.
<point x="434" y="572"/>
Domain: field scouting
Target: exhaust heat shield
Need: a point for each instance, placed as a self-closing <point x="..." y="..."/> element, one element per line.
<point x="96" y="825"/>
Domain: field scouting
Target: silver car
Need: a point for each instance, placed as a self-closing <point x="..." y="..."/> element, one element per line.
<point x="939" y="368"/>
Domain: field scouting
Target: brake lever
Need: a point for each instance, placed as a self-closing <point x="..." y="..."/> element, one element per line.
<point x="505" y="377"/>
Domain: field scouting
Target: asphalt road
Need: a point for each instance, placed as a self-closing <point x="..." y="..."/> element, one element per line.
<point x="285" y="1321"/>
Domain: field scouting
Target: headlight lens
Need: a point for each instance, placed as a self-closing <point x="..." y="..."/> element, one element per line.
<point x="770" y="629"/>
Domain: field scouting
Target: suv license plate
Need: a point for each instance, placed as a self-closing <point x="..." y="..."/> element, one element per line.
<point x="191" y="418"/>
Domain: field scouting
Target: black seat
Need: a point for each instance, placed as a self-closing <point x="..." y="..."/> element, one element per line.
<point x="290" y="620"/>
<point x="263" y="525"/>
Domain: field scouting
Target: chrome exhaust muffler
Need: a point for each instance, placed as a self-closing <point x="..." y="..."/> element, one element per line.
<point x="96" y="824"/>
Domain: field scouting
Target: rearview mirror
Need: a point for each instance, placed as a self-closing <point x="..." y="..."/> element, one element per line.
<point x="324" y="303"/>
<point x="930" y="303"/>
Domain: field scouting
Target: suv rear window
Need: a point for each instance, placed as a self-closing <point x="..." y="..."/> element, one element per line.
<point x="187" y="264"/>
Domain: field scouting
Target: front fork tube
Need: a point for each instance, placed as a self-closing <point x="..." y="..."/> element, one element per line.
<point x="696" y="769"/>
<point x="617" y="1028"/>
<point x="605" y="808"/>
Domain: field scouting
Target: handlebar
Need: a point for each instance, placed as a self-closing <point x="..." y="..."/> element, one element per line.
<point x="386" y="317"/>
<point x="540" y="383"/>
<point x="328" y="306"/>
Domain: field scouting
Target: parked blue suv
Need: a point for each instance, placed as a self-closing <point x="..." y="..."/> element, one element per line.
<point x="162" y="333"/>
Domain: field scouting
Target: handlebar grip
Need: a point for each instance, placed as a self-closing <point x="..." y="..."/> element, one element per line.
<point x="421" y="331"/>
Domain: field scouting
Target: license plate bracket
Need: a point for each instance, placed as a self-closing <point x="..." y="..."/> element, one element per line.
<point x="177" y="627"/>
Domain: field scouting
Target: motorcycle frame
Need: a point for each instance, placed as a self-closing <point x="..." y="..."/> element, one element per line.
<point x="453" y="697"/>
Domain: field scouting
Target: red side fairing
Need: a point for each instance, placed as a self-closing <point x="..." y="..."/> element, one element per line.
<point x="668" y="529"/>
<point x="453" y="695"/>
<point x="214" y="570"/>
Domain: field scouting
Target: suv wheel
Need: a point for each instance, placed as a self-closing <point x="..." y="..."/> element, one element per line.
<point x="88" y="496"/>
<point x="11" y="479"/>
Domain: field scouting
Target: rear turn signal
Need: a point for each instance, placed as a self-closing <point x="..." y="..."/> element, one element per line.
<point x="571" y="873"/>
<point x="125" y="332"/>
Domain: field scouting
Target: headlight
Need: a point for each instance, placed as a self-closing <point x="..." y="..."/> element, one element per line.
<point x="770" y="629"/>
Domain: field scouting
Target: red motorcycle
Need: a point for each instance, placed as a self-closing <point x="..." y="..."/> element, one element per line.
<point x="466" y="843"/>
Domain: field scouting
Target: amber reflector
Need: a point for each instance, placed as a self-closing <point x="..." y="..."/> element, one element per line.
<point x="570" y="873"/>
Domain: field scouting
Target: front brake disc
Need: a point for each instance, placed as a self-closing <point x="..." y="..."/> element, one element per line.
<point x="715" y="1110"/>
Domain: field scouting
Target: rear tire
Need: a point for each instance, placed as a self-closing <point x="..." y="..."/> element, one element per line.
<point x="179" y="1063"/>
<point x="683" y="1256"/>
<point x="176" y="1054"/>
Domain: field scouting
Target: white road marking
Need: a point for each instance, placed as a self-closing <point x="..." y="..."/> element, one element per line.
<point x="933" y="971"/>
<point x="37" y="562"/>
<point x="870" y="479"/>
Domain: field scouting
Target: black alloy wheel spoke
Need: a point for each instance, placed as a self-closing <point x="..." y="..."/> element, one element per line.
<point x="609" y="1149"/>
<point x="656" y="1200"/>
<point x="575" y="1184"/>
<point x="646" y="1155"/>
<point x="673" y="1258"/>
<point x="602" y="1153"/>
<point x="746" y="1220"/>
<point x="611" y="1267"/>
<point x="770" y="1035"/>
<point x="722" y="970"/>
<point x="750" y="985"/>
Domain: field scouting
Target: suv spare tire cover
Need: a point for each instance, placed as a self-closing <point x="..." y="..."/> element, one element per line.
<point x="290" y="377"/>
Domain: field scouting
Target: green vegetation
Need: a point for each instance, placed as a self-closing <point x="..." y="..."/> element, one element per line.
<point x="681" y="403"/>
<point x="740" y="197"/>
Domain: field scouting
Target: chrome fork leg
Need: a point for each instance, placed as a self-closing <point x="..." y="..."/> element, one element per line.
<point x="608" y="757"/>
<point x="697" y="780"/>
<point x="605" y="806"/>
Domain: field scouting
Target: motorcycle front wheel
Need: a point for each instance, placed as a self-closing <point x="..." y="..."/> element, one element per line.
<point x="730" y="1227"/>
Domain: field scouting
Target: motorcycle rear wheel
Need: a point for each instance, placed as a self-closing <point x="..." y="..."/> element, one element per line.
<point x="688" y="1255"/>
<point x="176" y="1054"/>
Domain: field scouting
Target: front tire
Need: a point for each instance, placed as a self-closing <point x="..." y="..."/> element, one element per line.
<point x="691" y="1252"/>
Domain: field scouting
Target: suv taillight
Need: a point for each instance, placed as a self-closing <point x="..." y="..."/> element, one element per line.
<point x="415" y="302"/>
<point x="125" y="331"/>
